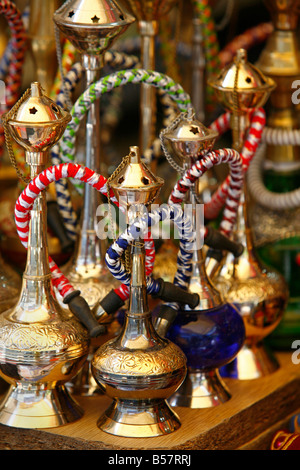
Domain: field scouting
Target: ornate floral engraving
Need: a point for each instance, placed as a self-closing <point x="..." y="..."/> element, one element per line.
<point x="40" y="336"/>
<point x="112" y="360"/>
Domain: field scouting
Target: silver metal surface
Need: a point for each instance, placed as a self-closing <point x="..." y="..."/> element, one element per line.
<point x="201" y="390"/>
<point x="91" y="26"/>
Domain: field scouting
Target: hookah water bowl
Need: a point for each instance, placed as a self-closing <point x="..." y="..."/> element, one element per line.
<point x="260" y="293"/>
<point x="42" y="346"/>
<point x="211" y="334"/>
<point x="139" y="370"/>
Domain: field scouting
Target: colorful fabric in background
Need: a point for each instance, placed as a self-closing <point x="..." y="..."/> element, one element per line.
<point x="284" y="440"/>
<point x="288" y="439"/>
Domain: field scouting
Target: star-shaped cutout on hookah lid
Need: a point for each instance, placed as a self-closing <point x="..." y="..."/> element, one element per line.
<point x="95" y="19"/>
<point x="33" y="110"/>
<point x="194" y="130"/>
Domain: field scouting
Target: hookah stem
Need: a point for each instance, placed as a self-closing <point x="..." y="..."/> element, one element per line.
<point x="37" y="267"/>
<point x="86" y="240"/>
<point x="138" y="302"/>
<point x="148" y="31"/>
<point x="198" y="72"/>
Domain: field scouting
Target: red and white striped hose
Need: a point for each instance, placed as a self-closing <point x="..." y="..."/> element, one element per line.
<point x="253" y="139"/>
<point x="26" y="200"/>
<point x="235" y="185"/>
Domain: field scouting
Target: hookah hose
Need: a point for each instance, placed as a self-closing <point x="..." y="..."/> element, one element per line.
<point x="106" y="84"/>
<point x="71" y="79"/>
<point x="169" y="90"/>
<point x="250" y="146"/>
<point x="263" y="196"/>
<point x="157" y="287"/>
<point x="17" y="47"/>
<point x="207" y="161"/>
<point x="24" y="203"/>
<point x="171" y="292"/>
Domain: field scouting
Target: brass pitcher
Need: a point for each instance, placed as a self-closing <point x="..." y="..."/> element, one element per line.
<point x="139" y="370"/>
<point x="42" y="346"/>
<point x="260" y="293"/>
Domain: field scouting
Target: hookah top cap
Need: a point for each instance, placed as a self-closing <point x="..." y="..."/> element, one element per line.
<point x="38" y="108"/>
<point x="242" y="80"/>
<point x="38" y="122"/>
<point x="92" y="25"/>
<point x="135" y="183"/>
<point x="150" y="10"/>
<point x="188" y="138"/>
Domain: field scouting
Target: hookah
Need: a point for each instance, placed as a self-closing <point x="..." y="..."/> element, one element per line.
<point x="138" y="369"/>
<point x="148" y="14"/>
<point x="273" y="175"/>
<point x="42" y="346"/>
<point x="259" y="293"/>
<point x="91" y="27"/>
<point x="211" y="334"/>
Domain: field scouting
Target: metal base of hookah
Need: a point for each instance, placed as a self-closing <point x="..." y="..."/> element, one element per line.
<point x="133" y="418"/>
<point x="33" y="406"/>
<point x="139" y="382"/>
<point x="201" y="390"/>
<point x="251" y="363"/>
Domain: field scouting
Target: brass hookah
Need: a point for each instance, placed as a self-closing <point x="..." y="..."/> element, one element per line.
<point x="260" y="293"/>
<point x="42" y="346"/>
<point x="277" y="241"/>
<point x="148" y="14"/>
<point x="138" y="369"/>
<point x="187" y="141"/>
<point x="91" y="26"/>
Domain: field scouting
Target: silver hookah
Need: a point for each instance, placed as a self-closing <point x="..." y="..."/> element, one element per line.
<point x="91" y="26"/>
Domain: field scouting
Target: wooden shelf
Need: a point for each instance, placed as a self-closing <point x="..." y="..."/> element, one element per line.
<point x="247" y="421"/>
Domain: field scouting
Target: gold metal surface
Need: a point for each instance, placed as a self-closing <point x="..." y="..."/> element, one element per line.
<point x="259" y="293"/>
<point x="92" y="25"/>
<point x="135" y="183"/>
<point x="42" y="41"/>
<point x="41" y="346"/>
<point x="138" y="369"/>
<point x="280" y="60"/>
